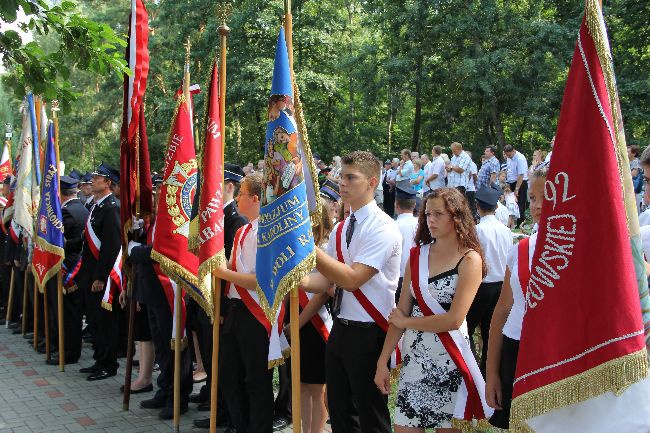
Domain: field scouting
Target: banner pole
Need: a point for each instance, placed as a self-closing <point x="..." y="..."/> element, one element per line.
<point x="293" y="300"/>
<point x="27" y="272"/>
<point x="59" y="277"/>
<point x="10" y="300"/>
<point x="223" y="12"/>
<point x="46" y="323"/>
<point x="24" y="323"/>
<point x="179" y="294"/>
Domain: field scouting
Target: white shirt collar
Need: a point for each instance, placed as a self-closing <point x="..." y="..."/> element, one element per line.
<point x="488" y="217"/>
<point x="228" y="202"/>
<point x="98" y="202"/>
<point x="362" y="213"/>
<point x="67" y="201"/>
<point x="405" y="215"/>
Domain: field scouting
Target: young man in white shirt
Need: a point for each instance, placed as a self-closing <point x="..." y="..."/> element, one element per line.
<point x="370" y="245"/>
<point x="407" y="224"/>
<point x="496" y="240"/>
<point x="245" y="376"/>
<point x="435" y="174"/>
<point x="517" y="178"/>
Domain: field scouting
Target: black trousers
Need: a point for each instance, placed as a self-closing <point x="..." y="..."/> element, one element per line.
<point x="72" y="321"/>
<point x="355" y="403"/>
<point x="471" y="202"/>
<point x="480" y="314"/>
<point x="161" y="322"/>
<point x="17" y="301"/>
<point x="522" y="200"/>
<point x="389" y="200"/>
<point x="105" y="326"/>
<point x="244" y="373"/>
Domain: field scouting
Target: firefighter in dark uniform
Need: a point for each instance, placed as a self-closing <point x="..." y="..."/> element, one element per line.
<point x="233" y="220"/>
<point x="101" y="245"/>
<point x="74" y="215"/>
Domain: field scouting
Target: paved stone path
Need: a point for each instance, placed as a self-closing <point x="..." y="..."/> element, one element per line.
<point x="35" y="397"/>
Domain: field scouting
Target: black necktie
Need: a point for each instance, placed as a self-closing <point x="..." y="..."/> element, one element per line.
<point x="338" y="292"/>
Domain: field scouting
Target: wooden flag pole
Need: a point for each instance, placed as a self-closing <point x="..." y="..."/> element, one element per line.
<point x="27" y="272"/>
<point x="223" y="12"/>
<point x="59" y="277"/>
<point x="10" y="300"/>
<point x="293" y="300"/>
<point x="24" y="323"/>
<point x="46" y="323"/>
<point x="177" y="298"/>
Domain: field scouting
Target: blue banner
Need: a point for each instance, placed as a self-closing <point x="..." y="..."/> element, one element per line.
<point x="49" y="240"/>
<point x="285" y="244"/>
<point x="36" y="154"/>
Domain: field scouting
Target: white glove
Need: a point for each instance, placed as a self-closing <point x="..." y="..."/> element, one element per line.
<point x="137" y="224"/>
<point x="132" y="244"/>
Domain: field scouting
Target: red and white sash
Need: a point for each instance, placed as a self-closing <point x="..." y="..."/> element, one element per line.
<point x="93" y="242"/>
<point x="14" y="231"/>
<point x="343" y="256"/>
<point x="170" y="288"/>
<point x="278" y="344"/>
<point x="470" y="403"/>
<point x="114" y="282"/>
<point x="322" y="321"/>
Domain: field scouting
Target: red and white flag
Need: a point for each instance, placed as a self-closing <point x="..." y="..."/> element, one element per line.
<point x="582" y="364"/>
<point x="5" y="163"/>
<point x="135" y="182"/>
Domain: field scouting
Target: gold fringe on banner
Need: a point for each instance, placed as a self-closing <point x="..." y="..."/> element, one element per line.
<point x="291" y="280"/>
<point x="54" y="270"/>
<point x="107" y="306"/>
<point x="317" y="214"/>
<point x="178" y="273"/>
<point x="183" y="343"/>
<point x="211" y="264"/>
<point x="613" y="376"/>
<point x="478" y="426"/>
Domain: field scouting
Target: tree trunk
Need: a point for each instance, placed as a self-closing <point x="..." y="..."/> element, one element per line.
<point x="496" y="120"/>
<point x="238" y="138"/>
<point x="391" y="117"/>
<point x="417" y="120"/>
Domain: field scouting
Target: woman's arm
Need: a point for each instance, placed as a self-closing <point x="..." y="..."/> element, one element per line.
<point x="311" y="309"/>
<point x="469" y="278"/>
<point x="247" y="281"/>
<point x="382" y="375"/>
<point x="499" y="317"/>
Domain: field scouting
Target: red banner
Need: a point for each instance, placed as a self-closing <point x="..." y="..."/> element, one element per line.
<point x="210" y="234"/>
<point x="582" y="333"/>
<point x="170" y="244"/>
<point x="5" y="163"/>
<point x="135" y="182"/>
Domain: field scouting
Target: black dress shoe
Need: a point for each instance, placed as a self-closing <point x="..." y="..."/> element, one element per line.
<point x="280" y="423"/>
<point x="198" y="398"/>
<point x="147" y="388"/>
<point x="203" y="407"/>
<point x="153" y="403"/>
<point x="17" y="331"/>
<point x="101" y="375"/>
<point x="91" y="369"/>
<point x="205" y="423"/>
<point x="168" y="412"/>
<point x="28" y="336"/>
<point x="55" y="361"/>
<point x="14" y="325"/>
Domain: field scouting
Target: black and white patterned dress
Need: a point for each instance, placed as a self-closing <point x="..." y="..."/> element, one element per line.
<point x="429" y="380"/>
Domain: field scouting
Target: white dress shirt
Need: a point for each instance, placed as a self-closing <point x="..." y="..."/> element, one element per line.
<point x="512" y="327"/>
<point x="454" y="179"/>
<point x="246" y="257"/>
<point x="517" y="165"/>
<point x="407" y="225"/>
<point x="496" y="241"/>
<point x="407" y="171"/>
<point x="471" y="183"/>
<point x="377" y="243"/>
<point x="437" y="166"/>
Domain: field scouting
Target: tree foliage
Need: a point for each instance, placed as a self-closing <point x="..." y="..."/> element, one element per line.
<point x="374" y="74"/>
